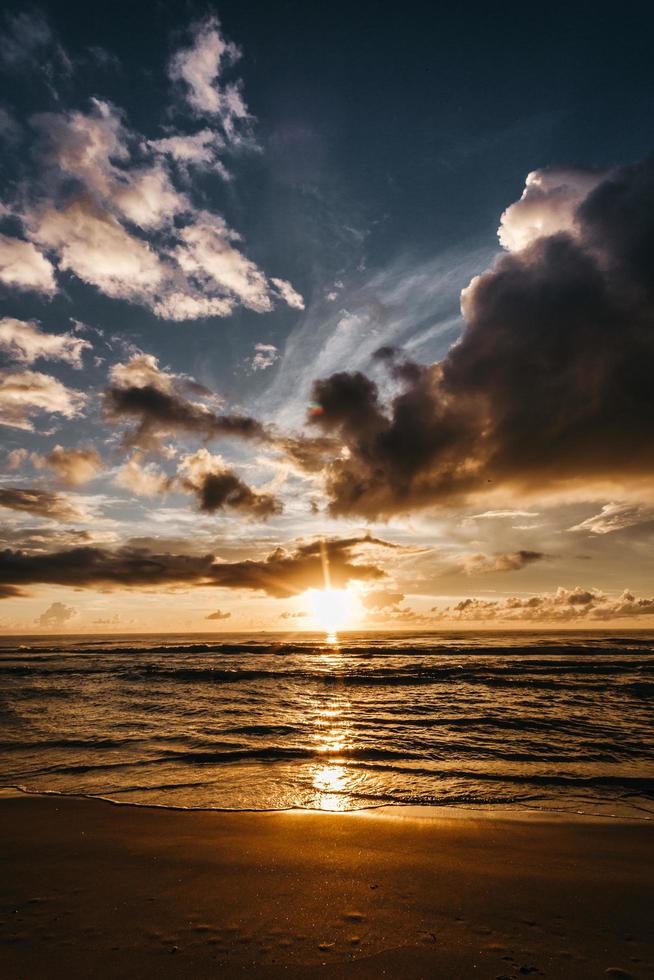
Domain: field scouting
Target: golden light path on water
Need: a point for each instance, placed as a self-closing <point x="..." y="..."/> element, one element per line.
<point x="332" y="609"/>
<point x="330" y="779"/>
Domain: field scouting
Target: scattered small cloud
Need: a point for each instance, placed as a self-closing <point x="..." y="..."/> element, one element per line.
<point x="217" y="487"/>
<point x="56" y="616"/>
<point x="200" y="69"/>
<point x="219" y="615"/>
<point x="72" y="466"/>
<point x="265" y="356"/>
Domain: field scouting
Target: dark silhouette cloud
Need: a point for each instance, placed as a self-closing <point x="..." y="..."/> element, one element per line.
<point x="157" y="413"/>
<point x="551" y="382"/>
<point x="283" y="572"/>
<point x="154" y="404"/>
<point x="217" y="487"/>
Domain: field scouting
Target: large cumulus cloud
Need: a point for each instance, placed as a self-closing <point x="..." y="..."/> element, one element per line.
<point x="550" y="384"/>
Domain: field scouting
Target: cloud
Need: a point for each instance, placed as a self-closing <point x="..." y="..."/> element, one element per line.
<point x="386" y="606"/>
<point x="93" y="245"/>
<point x="198" y="149"/>
<point x="264" y="357"/>
<point x="56" y="615"/>
<point x="480" y="564"/>
<point x="548" y="206"/>
<point x="27" y="44"/>
<point x="16" y="458"/>
<point x="24" y="267"/>
<point x="42" y="503"/>
<point x="105" y="205"/>
<point x="563" y="605"/>
<point x="157" y="404"/>
<point x="149" y="199"/>
<point x="208" y="257"/>
<point x="72" y="466"/>
<point x="203" y="274"/>
<point x="549" y="387"/>
<point x="88" y="146"/>
<point x="26" y="393"/>
<point x="43" y="538"/>
<point x="306" y="454"/>
<point x="145" y="480"/>
<point x="200" y="67"/>
<point x="217" y="487"/>
<point x="282" y="573"/>
<point x="85" y="145"/>
<point x="24" y="341"/>
<point x="493" y="514"/>
<point x="615" y="517"/>
<point x="288" y="293"/>
<point x="382" y="599"/>
<point x="219" y="614"/>
<point x="405" y="303"/>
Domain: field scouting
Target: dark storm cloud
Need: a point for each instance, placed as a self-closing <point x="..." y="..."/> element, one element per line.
<point x="41" y="503"/>
<point x="551" y="381"/>
<point x="283" y="572"/>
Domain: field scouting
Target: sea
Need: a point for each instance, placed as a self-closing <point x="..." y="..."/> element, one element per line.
<point x="541" y="721"/>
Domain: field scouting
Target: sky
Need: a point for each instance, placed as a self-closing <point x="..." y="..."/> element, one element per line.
<point x="299" y="298"/>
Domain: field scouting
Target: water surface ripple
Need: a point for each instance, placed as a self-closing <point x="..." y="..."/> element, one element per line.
<point x="540" y="720"/>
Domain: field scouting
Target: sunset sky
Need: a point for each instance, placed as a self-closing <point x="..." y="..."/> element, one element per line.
<point x="299" y="296"/>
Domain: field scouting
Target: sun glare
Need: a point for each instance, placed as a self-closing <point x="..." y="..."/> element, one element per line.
<point x="330" y="608"/>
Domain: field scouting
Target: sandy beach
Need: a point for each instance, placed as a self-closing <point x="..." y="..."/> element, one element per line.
<point x="92" y="889"/>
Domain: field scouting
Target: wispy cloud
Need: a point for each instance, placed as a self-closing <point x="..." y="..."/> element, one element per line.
<point x="409" y="303"/>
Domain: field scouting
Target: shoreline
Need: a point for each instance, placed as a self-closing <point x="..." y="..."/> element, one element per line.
<point x="399" y="811"/>
<point x="92" y="888"/>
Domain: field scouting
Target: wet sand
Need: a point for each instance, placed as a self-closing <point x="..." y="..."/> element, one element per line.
<point x="88" y="889"/>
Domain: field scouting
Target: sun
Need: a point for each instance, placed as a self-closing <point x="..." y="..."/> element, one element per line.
<point x="330" y="608"/>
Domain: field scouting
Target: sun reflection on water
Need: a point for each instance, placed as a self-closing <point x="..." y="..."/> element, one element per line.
<point x="330" y="780"/>
<point x="330" y="784"/>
